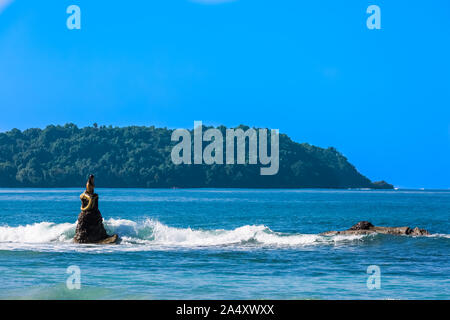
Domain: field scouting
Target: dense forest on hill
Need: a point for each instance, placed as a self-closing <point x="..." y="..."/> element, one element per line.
<point x="63" y="156"/>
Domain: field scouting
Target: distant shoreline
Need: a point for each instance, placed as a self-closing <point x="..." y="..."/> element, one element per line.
<point x="256" y="189"/>
<point x="142" y="157"/>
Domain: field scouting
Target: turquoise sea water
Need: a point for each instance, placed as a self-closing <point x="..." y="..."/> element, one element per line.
<point x="225" y="244"/>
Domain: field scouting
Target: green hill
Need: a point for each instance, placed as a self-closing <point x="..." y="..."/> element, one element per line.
<point x="63" y="156"/>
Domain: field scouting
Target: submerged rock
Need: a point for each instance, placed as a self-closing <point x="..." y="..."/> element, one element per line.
<point x="90" y="228"/>
<point x="365" y="227"/>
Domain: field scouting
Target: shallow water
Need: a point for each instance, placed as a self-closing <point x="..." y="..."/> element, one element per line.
<point x="225" y="244"/>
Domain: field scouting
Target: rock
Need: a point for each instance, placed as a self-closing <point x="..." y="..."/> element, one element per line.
<point x="365" y="227"/>
<point x="90" y="227"/>
<point x="382" y="185"/>
<point x="419" y="232"/>
<point x="109" y="240"/>
<point x="362" y="225"/>
<point x="392" y="230"/>
<point x="347" y="232"/>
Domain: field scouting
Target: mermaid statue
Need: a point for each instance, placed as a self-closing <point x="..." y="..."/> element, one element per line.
<point x="90" y="228"/>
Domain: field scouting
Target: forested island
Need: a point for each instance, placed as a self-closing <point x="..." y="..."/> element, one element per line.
<point x="140" y="157"/>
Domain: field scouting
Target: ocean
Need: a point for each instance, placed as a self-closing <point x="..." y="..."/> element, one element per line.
<point x="225" y="244"/>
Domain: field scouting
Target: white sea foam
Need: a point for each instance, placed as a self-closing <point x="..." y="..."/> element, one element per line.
<point x="439" y="235"/>
<point x="156" y="233"/>
<point x="152" y="235"/>
<point x="37" y="233"/>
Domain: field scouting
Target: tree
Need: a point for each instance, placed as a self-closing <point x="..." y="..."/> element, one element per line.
<point x="63" y="156"/>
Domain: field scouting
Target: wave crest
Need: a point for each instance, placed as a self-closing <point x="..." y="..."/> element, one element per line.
<point x="153" y="232"/>
<point x="43" y="232"/>
<point x="150" y="234"/>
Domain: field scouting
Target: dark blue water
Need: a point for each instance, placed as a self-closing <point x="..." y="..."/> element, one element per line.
<point x="225" y="244"/>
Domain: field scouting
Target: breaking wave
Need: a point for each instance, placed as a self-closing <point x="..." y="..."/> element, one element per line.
<point x="151" y="234"/>
<point x="37" y="233"/>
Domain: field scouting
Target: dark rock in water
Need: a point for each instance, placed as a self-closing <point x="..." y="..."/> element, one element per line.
<point x="110" y="240"/>
<point x="365" y="227"/>
<point x="362" y="225"/>
<point x="419" y="232"/>
<point x="90" y="227"/>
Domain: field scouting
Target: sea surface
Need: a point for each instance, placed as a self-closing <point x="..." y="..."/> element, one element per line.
<point x="225" y="244"/>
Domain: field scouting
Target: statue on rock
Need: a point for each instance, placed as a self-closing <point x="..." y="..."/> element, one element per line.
<point x="90" y="227"/>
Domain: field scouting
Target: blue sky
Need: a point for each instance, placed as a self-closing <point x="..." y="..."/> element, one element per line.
<point x="310" y="68"/>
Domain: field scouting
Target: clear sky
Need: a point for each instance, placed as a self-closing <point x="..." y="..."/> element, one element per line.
<point x="309" y="68"/>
